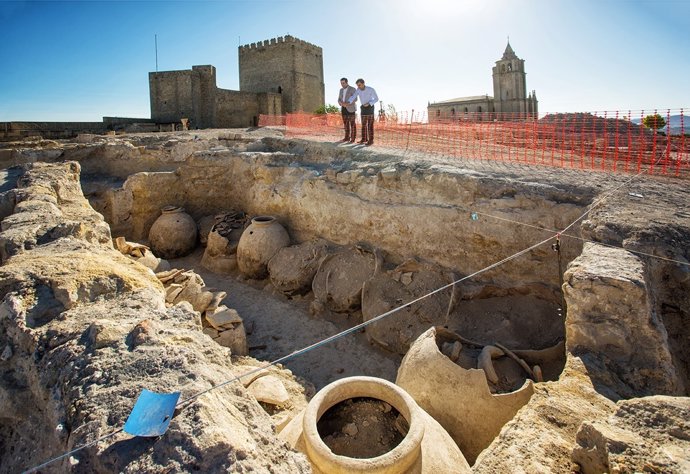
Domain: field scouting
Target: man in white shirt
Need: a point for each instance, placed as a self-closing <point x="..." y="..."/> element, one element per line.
<point x="367" y="96"/>
<point x="348" y="110"/>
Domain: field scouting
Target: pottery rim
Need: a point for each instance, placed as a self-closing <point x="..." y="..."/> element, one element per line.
<point x="399" y="459"/>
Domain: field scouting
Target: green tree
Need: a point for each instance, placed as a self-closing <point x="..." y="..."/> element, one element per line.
<point x="654" y="122"/>
<point x="327" y="109"/>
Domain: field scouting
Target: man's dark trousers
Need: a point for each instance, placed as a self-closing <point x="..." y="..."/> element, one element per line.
<point x="367" y="124"/>
<point x="349" y="123"/>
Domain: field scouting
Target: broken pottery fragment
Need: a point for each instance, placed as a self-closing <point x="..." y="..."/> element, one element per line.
<point x="458" y="398"/>
<point x="407" y="282"/>
<point x="269" y="389"/>
<point x="204" y="226"/>
<point x="142" y="254"/>
<point x="220" y="255"/>
<point x="223" y="317"/>
<point x="292" y="269"/>
<point x="338" y="282"/>
<point x="484" y="362"/>
<point x="234" y="338"/>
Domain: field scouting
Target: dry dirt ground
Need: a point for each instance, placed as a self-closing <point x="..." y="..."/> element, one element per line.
<point x="280" y="326"/>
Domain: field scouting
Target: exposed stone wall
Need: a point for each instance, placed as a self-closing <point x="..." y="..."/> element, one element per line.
<point x="19" y="130"/>
<point x="284" y="65"/>
<point x="193" y="94"/>
<point x="270" y="103"/>
<point x="62" y="130"/>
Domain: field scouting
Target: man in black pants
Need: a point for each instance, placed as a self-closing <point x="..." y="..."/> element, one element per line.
<point x="347" y="110"/>
<point x="367" y="96"/>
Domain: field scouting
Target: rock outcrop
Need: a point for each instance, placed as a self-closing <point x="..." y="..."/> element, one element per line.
<point x="612" y="326"/>
<point x="649" y="434"/>
<point x="541" y="436"/>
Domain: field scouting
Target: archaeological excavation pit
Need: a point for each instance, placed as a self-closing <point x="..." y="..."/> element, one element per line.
<point x="289" y="242"/>
<point x="364" y="234"/>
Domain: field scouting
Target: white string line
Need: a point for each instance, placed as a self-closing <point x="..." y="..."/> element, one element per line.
<point x="545" y="229"/>
<point x="639" y="252"/>
<point x="606" y="195"/>
<point x="316" y="344"/>
<point x="57" y="458"/>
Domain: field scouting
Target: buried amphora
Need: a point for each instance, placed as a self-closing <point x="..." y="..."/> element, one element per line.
<point x="173" y="234"/>
<point x="426" y="448"/>
<point x="258" y="244"/>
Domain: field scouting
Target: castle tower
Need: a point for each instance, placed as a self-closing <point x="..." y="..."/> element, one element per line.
<point x="285" y="65"/>
<point x="510" y="85"/>
<point x="188" y="94"/>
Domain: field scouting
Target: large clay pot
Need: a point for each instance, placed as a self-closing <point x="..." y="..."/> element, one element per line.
<point x="426" y="448"/>
<point x="259" y="242"/>
<point x="173" y="234"/>
<point x="459" y="398"/>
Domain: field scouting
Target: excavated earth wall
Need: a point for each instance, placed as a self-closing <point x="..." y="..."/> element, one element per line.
<point x="404" y="209"/>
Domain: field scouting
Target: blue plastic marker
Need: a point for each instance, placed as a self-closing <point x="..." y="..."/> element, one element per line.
<point x="152" y="413"/>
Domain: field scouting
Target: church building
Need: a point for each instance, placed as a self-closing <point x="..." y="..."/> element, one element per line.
<point x="509" y="102"/>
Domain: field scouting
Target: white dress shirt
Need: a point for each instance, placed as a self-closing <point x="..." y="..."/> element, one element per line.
<point x="366" y="95"/>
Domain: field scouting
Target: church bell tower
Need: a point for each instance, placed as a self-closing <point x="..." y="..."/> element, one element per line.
<point x="510" y="86"/>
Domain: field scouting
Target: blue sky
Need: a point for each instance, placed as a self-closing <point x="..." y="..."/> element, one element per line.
<point x="88" y="59"/>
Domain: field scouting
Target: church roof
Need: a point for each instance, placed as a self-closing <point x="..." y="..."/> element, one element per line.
<point x="472" y="98"/>
<point x="509" y="53"/>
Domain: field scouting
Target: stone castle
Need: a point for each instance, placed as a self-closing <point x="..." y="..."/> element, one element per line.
<point x="277" y="76"/>
<point x="510" y="98"/>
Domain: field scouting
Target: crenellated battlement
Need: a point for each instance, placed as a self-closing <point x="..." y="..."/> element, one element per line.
<point x="279" y="41"/>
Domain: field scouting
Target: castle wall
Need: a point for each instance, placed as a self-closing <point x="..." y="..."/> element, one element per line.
<point x="309" y="87"/>
<point x="204" y="96"/>
<point x="236" y="109"/>
<point x="58" y="130"/>
<point x="276" y="76"/>
<point x="172" y="95"/>
<point x="270" y="103"/>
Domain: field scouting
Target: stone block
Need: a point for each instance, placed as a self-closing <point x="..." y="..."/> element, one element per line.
<point x="223" y="318"/>
<point x="269" y="389"/>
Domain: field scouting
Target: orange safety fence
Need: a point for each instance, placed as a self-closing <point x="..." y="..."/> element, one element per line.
<point x="604" y="141"/>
